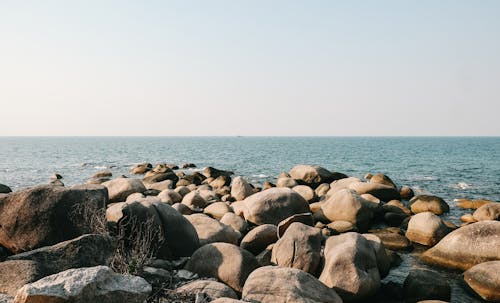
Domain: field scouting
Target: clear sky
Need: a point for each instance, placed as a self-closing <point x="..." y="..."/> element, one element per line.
<point x="294" y="68"/>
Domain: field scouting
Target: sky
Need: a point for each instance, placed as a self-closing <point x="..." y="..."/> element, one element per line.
<point x="250" y="68"/>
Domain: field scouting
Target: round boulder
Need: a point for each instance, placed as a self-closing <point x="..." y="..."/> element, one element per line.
<point x="119" y="189"/>
<point x="210" y="230"/>
<point x="490" y="211"/>
<point x="426" y="228"/>
<point x="484" y="280"/>
<point x="240" y="189"/>
<point x="313" y="175"/>
<point x="259" y="238"/>
<point x="423" y="203"/>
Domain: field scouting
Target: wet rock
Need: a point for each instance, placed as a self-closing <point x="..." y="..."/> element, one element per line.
<point x="423" y="203"/>
<point x="351" y="267"/>
<point x="484" y="280"/>
<point x="273" y="205"/>
<point x="490" y="211"/>
<point x="426" y="228"/>
<point x="42" y="215"/>
<point x="211" y="172"/>
<point x="240" y="189"/>
<point x="188" y="165"/>
<point x="211" y="289"/>
<point x="269" y="284"/>
<point x="299" y="248"/>
<point x="159" y="177"/>
<point x="423" y="284"/>
<point x="210" y="230"/>
<point x="226" y="262"/>
<point x="4" y="189"/>
<point x="347" y="205"/>
<point x="259" y="238"/>
<point x="313" y="175"/>
<point x="394" y="241"/>
<point x="141" y="168"/>
<point x="467" y="246"/>
<point x="91" y="284"/>
<point x="119" y="189"/>
<point x="383" y="179"/>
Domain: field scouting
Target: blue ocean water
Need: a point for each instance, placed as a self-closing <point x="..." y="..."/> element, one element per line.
<point x="450" y="167"/>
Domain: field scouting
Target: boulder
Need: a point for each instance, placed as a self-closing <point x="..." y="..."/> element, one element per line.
<point x="426" y="228"/>
<point x="194" y="201"/>
<point x="17" y="273"/>
<point x="226" y="262"/>
<point x="306" y="192"/>
<point x="351" y="267"/>
<point x="490" y="211"/>
<point x="342" y="226"/>
<point x="322" y="189"/>
<point x="182" y="190"/>
<point x="102" y="174"/>
<point x="383" y="259"/>
<point x="4" y="189"/>
<point x="406" y="193"/>
<point x="140" y="168"/>
<point x="236" y="222"/>
<point x="383" y="179"/>
<point x="273" y="284"/>
<point x="305" y="218"/>
<point x="46" y="215"/>
<point x="119" y="189"/>
<point x="9" y="299"/>
<point x="299" y="248"/>
<point x="423" y="284"/>
<point x="471" y="204"/>
<point x="211" y="172"/>
<point x="210" y="230"/>
<point x="161" y="186"/>
<point x="211" y="289"/>
<point x="256" y="240"/>
<point x="273" y="205"/>
<point x="484" y="280"/>
<point x="423" y="203"/>
<point x="347" y="205"/>
<point x="169" y="196"/>
<point x="314" y="175"/>
<point x="240" y="189"/>
<point x="467" y="246"/>
<point x="217" y="210"/>
<point x="90" y="284"/>
<point x="337" y="185"/>
<point x="159" y="177"/>
<point x="394" y="241"/>
<point x="381" y="191"/>
<point x="188" y="165"/>
<point x="286" y="182"/>
<point x="220" y="182"/>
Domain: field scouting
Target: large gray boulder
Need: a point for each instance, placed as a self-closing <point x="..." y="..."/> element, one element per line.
<point x="226" y="262"/>
<point x="347" y="205"/>
<point x="83" y="285"/>
<point x="467" y="246"/>
<point x="273" y="205"/>
<point x="314" y="175"/>
<point x="351" y="266"/>
<point x="119" y="189"/>
<point x="299" y="247"/>
<point x="484" y="280"/>
<point x="46" y="215"/>
<point x="273" y="284"/>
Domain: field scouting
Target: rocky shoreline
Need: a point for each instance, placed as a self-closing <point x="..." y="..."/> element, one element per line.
<point x="210" y="236"/>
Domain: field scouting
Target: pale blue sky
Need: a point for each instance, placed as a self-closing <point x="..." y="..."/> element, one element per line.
<point x="175" y="68"/>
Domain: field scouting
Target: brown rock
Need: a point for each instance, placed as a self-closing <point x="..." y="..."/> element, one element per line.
<point x="211" y="289"/>
<point x="423" y="203"/>
<point x="426" y="229"/>
<point x="259" y="238"/>
<point x="210" y="230"/>
<point x="484" y="280"/>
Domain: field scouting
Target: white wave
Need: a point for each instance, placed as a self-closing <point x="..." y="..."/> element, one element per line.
<point x="100" y="167"/>
<point x="260" y="176"/>
<point x="426" y="178"/>
<point x="461" y="185"/>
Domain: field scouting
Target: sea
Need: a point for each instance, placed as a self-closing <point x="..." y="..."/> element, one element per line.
<point x="450" y="167"/>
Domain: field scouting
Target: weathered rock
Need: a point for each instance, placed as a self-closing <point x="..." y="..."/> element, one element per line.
<point x="226" y="262"/>
<point x="240" y="189"/>
<point x="259" y="238"/>
<point x="426" y="229"/>
<point x="220" y="182"/>
<point x="159" y="177"/>
<point x="394" y="241"/>
<point x="484" y="280"/>
<point x="383" y="260"/>
<point x="210" y="230"/>
<point x="490" y="211"/>
<point x="342" y="226"/>
<point x="141" y="168"/>
<point x="381" y="191"/>
<point x="9" y="299"/>
<point x="406" y="193"/>
<point x="273" y="284"/>
<point x="4" y="189"/>
<point x="45" y="215"/>
<point x="305" y="218"/>
<point x="182" y="190"/>
<point x="286" y="182"/>
<point x="211" y="289"/>
<point x="351" y="266"/>
<point x="188" y="165"/>
<point x="211" y="172"/>
<point x="217" y="210"/>
<point x="338" y="185"/>
<point x="169" y="196"/>
<point x="467" y="246"/>
<point x="322" y="189"/>
<point x="90" y="284"/>
<point x="273" y="205"/>
<point x="225" y="300"/>
<point x="306" y="192"/>
<point x="423" y="284"/>
<point x="347" y="205"/>
<point x="423" y="203"/>
<point x="102" y="174"/>
<point x="161" y="186"/>
<point x="119" y="189"/>
<point x="194" y="201"/>
<point x="471" y="204"/>
<point x="236" y="222"/>
<point x="383" y="179"/>
<point x="155" y="276"/>
<point x="299" y="248"/>
<point x="17" y="273"/>
<point x="314" y="175"/>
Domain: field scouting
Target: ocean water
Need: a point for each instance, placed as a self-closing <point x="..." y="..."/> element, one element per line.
<point x="450" y="167"/>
